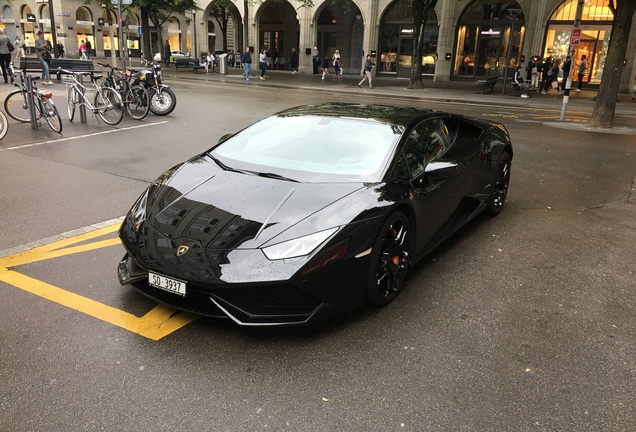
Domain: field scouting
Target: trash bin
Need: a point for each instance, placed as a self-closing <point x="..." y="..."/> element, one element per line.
<point x="223" y="64"/>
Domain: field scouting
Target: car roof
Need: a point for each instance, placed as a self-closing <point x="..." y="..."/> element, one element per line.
<point x="395" y="115"/>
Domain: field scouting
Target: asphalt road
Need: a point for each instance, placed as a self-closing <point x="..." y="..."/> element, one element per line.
<point x="523" y="322"/>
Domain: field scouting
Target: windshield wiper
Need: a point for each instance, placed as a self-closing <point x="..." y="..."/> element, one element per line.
<point x="275" y="176"/>
<point x="223" y="166"/>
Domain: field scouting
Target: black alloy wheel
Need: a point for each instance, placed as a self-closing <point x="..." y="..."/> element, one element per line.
<point x="498" y="195"/>
<point x="390" y="260"/>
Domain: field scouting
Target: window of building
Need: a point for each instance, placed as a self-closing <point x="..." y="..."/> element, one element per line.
<point x="396" y="41"/>
<point x="489" y="38"/>
<point x="596" y="27"/>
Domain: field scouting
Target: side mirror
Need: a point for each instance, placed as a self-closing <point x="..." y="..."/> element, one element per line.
<point x="224" y="137"/>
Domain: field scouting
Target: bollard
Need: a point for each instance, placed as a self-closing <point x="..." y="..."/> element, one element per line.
<point x="82" y="106"/>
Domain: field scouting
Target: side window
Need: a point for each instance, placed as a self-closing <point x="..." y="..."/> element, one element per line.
<point x="426" y="142"/>
<point x="401" y="169"/>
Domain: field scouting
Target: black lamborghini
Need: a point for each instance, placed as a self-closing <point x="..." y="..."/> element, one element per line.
<point x="312" y="211"/>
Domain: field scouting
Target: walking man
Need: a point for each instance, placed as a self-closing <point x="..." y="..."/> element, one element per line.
<point x="368" y="67"/>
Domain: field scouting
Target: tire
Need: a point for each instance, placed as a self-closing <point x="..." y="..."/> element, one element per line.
<point x="16" y="105"/>
<point x="109" y="106"/>
<point x="137" y="102"/>
<point x="52" y="116"/>
<point x="162" y="103"/>
<point x="4" y="125"/>
<point x="390" y="260"/>
<point x="73" y="98"/>
<point x="497" y="198"/>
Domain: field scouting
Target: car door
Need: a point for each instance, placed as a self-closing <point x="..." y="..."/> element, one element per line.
<point x="436" y="182"/>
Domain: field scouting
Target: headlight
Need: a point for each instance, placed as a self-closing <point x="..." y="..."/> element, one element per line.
<point x="298" y="247"/>
<point x="138" y="210"/>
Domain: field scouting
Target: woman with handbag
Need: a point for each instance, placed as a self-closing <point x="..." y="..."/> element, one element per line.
<point x="42" y="48"/>
<point x="5" y="54"/>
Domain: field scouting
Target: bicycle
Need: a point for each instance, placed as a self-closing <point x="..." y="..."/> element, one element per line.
<point x="135" y="96"/>
<point x="107" y="103"/>
<point x="4" y="125"/>
<point x="18" y="103"/>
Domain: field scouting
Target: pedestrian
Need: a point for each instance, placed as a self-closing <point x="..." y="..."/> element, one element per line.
<point x="59" y="49"/>
<point x="368" y="67"/>
<point x="519" y="81"/>
<point x="315" y="60"/>
<point x="19" y="50"/>
<point x="337" y="69"/>
<point x="89" y="49"/>
<point x="167" y="53"/>
<point x="247" y="63"/>
<point x="553" y="75"/>
<point x="27" y="45"/>
<point x="5" y="55"/>
<point x="42" y="50"/>
<point x="567" y="66"/>
<point x="335" y="56"/>
<point x="213" y="59"/>
<point x="263" y="63"/>
<point x="582" y="72"/>
<point x="82" y="49"/>
<point x="205" y="61"/>
<point x="293" y="61"/>
<point x="534" y="80"/>
<point x="546" y="72"/>
<point x="325" y="67"/>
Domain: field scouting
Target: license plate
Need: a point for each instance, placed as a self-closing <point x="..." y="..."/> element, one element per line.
<point x="174" y="286"/>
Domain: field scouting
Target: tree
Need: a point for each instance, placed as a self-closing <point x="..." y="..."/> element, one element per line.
<point x="221" y="10"/>
<point x="156" y="11"/>
<point x="605" y="106"/>
<point x="421" y="11"/>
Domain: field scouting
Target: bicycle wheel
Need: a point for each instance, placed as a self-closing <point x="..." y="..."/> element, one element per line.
<point x="109" y="106"/>
<point x="73" y="97"/>
<point x="16" y="105"/>
<point x="4" y="125"/>
<point x="137" y="102"/>
<point x="51" y="115"/>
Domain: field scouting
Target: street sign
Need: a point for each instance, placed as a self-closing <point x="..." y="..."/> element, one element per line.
<point x="576" y="37"/>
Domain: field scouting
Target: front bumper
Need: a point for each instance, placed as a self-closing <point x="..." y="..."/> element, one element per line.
<point x="271" y="303"/>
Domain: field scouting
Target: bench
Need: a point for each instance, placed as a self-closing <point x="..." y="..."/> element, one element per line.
<point x="183" y="63"/>
<point x="488" y="83"/>
<point x="516" y="88"/>
<point x="196" y="65"/>
<point x="32" y="64"/>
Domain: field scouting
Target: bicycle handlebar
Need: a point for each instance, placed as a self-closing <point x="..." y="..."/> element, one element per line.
<point x="69" y="72"/>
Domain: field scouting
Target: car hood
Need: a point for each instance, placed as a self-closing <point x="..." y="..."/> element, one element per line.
<point x="222" y="209"/>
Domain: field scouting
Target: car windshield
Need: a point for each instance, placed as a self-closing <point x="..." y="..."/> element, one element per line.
<point x="312" y="148"/>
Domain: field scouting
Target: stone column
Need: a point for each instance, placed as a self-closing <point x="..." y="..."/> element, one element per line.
<point x="447" y="19"/>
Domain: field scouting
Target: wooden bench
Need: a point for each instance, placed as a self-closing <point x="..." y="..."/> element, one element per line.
<point x="32" y="64"/>
<point x="487" y="84"/>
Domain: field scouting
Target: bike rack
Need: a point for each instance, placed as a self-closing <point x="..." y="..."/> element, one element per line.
<point x="32" y="114"/>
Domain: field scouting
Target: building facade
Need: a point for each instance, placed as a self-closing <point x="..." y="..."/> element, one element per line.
<point x="464" y="39"/>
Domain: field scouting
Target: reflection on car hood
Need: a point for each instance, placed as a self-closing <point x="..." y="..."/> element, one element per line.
<point x="229" y="210"/>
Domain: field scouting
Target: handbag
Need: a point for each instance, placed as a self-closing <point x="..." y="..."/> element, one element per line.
<point x="10" y="46"/>
<point x="555" y="85"/>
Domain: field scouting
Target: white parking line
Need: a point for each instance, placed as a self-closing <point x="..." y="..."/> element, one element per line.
<point x="83" y="136"/>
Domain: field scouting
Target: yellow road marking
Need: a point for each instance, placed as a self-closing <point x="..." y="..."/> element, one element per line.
<point x="156" y="324"/>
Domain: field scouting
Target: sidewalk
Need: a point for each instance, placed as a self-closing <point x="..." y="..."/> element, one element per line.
<point x="452" y="91"/>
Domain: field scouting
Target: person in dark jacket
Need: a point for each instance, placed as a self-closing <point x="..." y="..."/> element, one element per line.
<point x="368" y="67"/>
<point x="247" y="63"/>
<point x="518" y="80"/>
<point x="167" y="52"/>
<point x="567" y="67"/>
<point x="293" y="61"/>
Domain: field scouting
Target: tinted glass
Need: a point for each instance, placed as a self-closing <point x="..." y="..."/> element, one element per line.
<point x="313" y="148"/>
<point x="426" y="142"/>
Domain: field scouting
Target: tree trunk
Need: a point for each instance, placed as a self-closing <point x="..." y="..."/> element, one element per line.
<point x="605" y="106"/>
<point x="145" y="37"/>
<point x="421" y="10"/>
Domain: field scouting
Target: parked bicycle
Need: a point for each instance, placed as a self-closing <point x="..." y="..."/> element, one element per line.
<point x="107" y="104"/>
<point x="162" y="99"/>
<point x="135" y="96"/>
<point x="4" y="125"/>
<point x="18" y="103"/>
